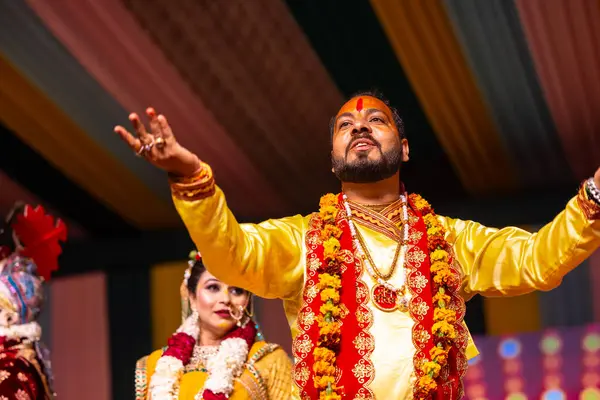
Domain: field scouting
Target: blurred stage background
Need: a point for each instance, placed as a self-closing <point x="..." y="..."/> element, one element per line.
<point x="501" y="101"/>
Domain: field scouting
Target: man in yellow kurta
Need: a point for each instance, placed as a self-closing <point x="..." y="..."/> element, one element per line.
<point x="373" y="284"/>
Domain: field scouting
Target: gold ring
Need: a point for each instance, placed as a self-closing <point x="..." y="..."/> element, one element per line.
<point x="160" y="142"/>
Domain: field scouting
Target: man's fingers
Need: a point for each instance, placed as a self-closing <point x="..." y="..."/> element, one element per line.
<point x="154" y="124"/>
<point x="165" y="127"/>
<point x="128" y="138"/>
<point x="139" y="128"/>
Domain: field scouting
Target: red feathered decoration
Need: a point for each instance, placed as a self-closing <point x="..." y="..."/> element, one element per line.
<point x="40" y="234"/>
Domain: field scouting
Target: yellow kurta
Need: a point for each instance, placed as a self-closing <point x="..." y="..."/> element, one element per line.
<point x="274" y="369"/>
<point x="269" y="260"/>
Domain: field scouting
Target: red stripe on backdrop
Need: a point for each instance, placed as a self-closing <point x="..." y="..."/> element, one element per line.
<point x="80" y="341"/>
<point x="563" y="36"/>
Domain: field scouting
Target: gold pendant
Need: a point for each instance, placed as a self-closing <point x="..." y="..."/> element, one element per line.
<point x="388" y="300"/>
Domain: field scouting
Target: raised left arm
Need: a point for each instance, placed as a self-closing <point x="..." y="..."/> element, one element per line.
<point x="512" y="261"/>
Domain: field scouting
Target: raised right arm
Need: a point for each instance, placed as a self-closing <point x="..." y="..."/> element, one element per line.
<point x="266" y="259"/>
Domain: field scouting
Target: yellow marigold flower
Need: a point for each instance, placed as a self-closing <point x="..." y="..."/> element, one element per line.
<point x="440" y="255"/>
<point x="431" y="220"/>
<point x="330" y="294"/>
<point x="328" y="213"/>
<point x="330" y="308"/>
<point x="434" y="231"/>
<point x="329" y="199"/>
<point x="329" y="281"/>
<point x="330" y="248"/>
<point x="431" y="368"/>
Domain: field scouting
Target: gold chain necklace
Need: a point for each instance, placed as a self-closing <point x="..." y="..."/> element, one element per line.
<point x="370" y="260"/>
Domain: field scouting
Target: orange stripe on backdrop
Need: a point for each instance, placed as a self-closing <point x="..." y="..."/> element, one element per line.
<point x="80" y="337"/>
<point x="509" y="315"/>
<point x="165" y="281"/>
<point x="48" y="130"/>
<point x="422" y="36"/>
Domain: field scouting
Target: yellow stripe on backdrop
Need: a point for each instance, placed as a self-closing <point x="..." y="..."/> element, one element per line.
<point x="40" y="123"/>
<point x="424" y="41"/>
<point x="165" y="282"/>
<point x="509" y="315"/>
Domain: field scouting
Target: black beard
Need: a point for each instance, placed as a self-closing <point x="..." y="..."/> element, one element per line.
<point x="364" y="170"/>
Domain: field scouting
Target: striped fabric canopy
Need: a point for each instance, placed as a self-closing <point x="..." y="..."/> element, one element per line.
<point x="500" y="99"/>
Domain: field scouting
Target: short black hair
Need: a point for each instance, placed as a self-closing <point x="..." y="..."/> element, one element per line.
<point x="196" y="272"/>
<point x="378" y="95"/>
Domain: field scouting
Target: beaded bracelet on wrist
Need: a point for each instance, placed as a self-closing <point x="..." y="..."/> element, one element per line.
<point x="589" y="199"/>
<point x="197" y="187"/>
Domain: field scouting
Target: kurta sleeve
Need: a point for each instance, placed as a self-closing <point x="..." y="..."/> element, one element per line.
<point x="511" y="261"/>
<point x="267" y="258"/>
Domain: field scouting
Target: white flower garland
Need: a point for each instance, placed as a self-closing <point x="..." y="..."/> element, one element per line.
<point x="30" y="330"/>
<point x="164" y="383"/>
<point x="223" y="368"/>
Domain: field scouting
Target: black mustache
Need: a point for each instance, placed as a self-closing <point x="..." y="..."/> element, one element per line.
<point x="368" y="137"/>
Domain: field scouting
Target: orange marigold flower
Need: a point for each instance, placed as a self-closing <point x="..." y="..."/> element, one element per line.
<point x="420" y="203"/>
<point x="444" y="314"/>
<point x="331" y="396"/>
<point x="438" y="266"/>
<point x="330" y="231"/>
<point x="322" y="382"/>
<point x="425" y="385"/>
<point x="444" y="329"/>
<point x="324" y="354"/>
<point x="329" y="199"/>
<point x="439" y="355"/>
<point x="440" y="296"/>
<point x="323" y="368"/>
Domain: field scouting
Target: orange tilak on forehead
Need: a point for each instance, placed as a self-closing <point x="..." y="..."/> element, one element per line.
<point x="360" y="103"/>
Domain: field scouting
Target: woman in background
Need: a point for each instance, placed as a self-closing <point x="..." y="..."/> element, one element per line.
<point x="29" y="247"/>
<point x="218" y="352"/>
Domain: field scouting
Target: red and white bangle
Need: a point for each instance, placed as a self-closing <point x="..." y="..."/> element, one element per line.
<point x="592" y="190"/>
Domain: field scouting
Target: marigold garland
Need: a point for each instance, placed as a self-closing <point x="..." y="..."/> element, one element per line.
<point x="329" y="289"/>
<point x="443" y="329"/>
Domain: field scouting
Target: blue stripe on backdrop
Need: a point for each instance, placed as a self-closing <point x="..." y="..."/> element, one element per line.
<point x="495" y="46"/>
<point x="130" y="325"/>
